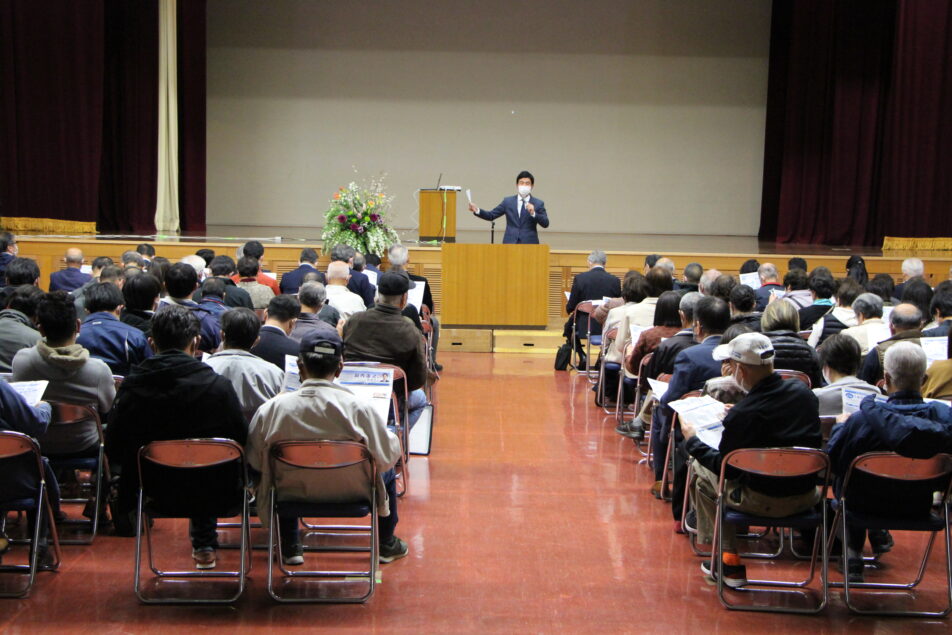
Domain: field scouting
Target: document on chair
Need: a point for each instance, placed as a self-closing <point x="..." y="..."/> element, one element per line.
<point x="706" y="414"/>
<point x="658" y="388"/>
<point x="373" y="385"/>
<point x="852" y="398"/>
<point x="415" y="295"/>
<point x="292" y="376"/>
<point x="31" y="391"/>
<point x="751" y="279"/>
<point x="936" y="348"/>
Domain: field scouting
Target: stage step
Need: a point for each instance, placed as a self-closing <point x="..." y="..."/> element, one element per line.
<point x="531" y="342"/>
<point x="466" y="340"/>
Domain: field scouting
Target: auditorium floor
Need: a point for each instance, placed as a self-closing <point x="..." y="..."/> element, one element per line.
<point x="530" y="515"/>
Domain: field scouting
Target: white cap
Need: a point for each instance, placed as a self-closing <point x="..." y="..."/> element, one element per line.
<point x="753" y="349"/>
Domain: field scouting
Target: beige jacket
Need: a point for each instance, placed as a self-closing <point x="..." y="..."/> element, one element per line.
<point x="319" y="410"/>
<point x="866" y="332"/>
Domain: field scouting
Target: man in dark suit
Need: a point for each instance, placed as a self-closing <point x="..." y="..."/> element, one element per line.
<point x="291" y="281"/>
<point x="359" y="283"/>
<point x="72" y="277"/>
<point x="594" y="284"/>
<point x="274" y="338"/>
<point x="523" y="213"/>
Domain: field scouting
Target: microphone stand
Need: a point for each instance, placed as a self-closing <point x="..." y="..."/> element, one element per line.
<point x="492" y="233"/>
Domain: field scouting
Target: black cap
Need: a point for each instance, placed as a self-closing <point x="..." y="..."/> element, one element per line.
<point x="324" y="343"/>
<point x="394" y="283"/>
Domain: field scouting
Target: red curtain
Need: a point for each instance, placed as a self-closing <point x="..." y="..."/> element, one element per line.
<point x="191" y="120"/>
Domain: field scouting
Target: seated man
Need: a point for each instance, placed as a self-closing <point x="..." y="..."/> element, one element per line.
<point x="248" y="270"/>
<point x="140" y="295"/>
<point x="399" y="257"/>
<point x="743" y="301"/>
<point x="775" y="413"/>
<point x="311" y="296"/>
<point x="79" y="295"/>
<point x="8" y="251"/>
<point x="769" y="282"/>
<point x="594" y="284"/>
<point x="358" y="282"/>
<point x="254" y="380"/>
<point x="839" y="359"/>
<point x="941" y="310"/>
<point x="119" y="345"/>
<point x="323" y="410"/>
<point x="382" y="334"/>
<point x="821" y="286"/>
<point x="70" y="278"/>
<point x="912" y="268"/>
<point x="213" y="297"/>
<point x="74" y="376"/>
<point x="16" y="324"/>
<point x="797" y="289"/>
<point x="274" y="338"/>
<point x="690" y="278"/>
<point x="19" y="272"/>
<point x="171" y="396"/>
<point x="222" y="268"/>
<point x="338" y="292"/>
<point x="181" y="281"/>
<point x="291" y="281"/>
<point x="905" y="323"/>
<point x="904" y="424"/>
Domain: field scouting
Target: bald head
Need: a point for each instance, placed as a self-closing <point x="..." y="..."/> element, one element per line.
<point x="338" y="273"/>
<point x="74" y="257"/>
<point x="905" y="317"/>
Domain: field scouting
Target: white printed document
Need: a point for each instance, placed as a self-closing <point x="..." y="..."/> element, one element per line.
<point x="658" y="388"/>
<point x="706" y="414"/>
<point x="936" y="348"/>
<point x="292" y="376"/>
<point x="469" y="196"/>
<point x="852" y="398"/>
<point x="635" y="331"/>
<point x="31" y="391"/>
<point x="371" y="275"/>
<point x="751" y="279"/>
<point x="415" y="295"/>
<point x="374" y="385"/>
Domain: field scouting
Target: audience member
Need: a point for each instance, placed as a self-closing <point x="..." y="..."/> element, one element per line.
<point x="841" y="317"/>
<point x="140" y="296"/>
<point x="882" y="285"/>
<point x="171" y="396"/>
<point x="642" y="314"/>
<point x="781" y="325"/>
<point x="797" y="263"/>
<point x="16" y="324"/>
<point x="668" y="265"/>
<point x="323" y="410"/>
<point x="254" y="379"/>
<point x="381" y="334"/>
<point x="634" y="290"/>
<point x="74" y="377"/>
<point x="911" y="268"/>
<point x="311" y="297"/>
<point x="743" y="301"/>
<point x="775" y="413"/>
<point x="181" y="281"/>
<point x="601" y="311"/>
<point x="119" y="345"/>
<point x="903" y="424"/>
<point x="722" y="285"/>
<point x="254" y="249"/>
<point x="662" y="361"/>
<point x="260" y="294"/>
<point x="339" y="295"/>
<point x="725" y="388"/>
<point x="821" y="286"/>
<point x="147" y="252"/>
<point x="706" y="283"/>
<point x="797" y="290"/>
<point x="8" y="251"/>
<point x="399" y="257"/>
<point x="291" y="281"/>
<point x="750" y="266"/>
<point x="213" y="297"/>
<point x="938" y="381"/>
<point x="650" y="261"/>
<point x="373" y="263"/>
<point x="274" y="337"/>
<point x="941" y="310"/>
<point x="207" y="255"/>
<point x="905" y="323"/>
<point x="70" y="278"/>
<point x="327" y="313"/>
<point x="197" y="263"/>
<point x="222" y="267"/>
<point x="667" y="322"/>
<point x="78" y="294"/>
<point x="840" y="358"/>
<point x="870" y="328"/>
<point x="856" y="270"/>
<point x="594" y="284"/>
<point x="358" y="283"/>
<point x="769" y="283"/>
<point x="918" y="292"/>
<point x="20" y="271"/>
<point x="132" y="258"/>
<point x="158" y="268"/>
<point x="690" y="278"/>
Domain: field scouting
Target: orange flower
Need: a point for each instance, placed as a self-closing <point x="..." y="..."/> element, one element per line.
<point x="337" y="197"/>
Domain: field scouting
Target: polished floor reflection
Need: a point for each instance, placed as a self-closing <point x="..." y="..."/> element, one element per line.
<point x="531" y="514"/>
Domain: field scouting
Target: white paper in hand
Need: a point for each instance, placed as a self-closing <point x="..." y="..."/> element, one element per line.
<point x="706" y="414"/>
<point x="292" y="376"/>
<point x="635" y="332"/>
<point x="31" y="391"/>
<point x="415" y="295"/>
<point x="374" y="385"/>
<point x="658" y="388"/>
<point x="469" y="196"/>
<point x="936" y="348"/>
<point x="751" y="279"/>
<point x="852" y="398"/>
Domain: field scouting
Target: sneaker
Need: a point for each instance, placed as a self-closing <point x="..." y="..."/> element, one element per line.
<point x="204" y="557"/>
<point x="438" y="367"/>
<point x="656" y="490"/>
<point x="855" y="569"/>
<point x="631" y="430"/>
<point x="690" y="521"/>
<point x="393" y="549"/>
<point x="881" y="541"/>
<point x="735" y="575"/>
<point x="293" y="556"/>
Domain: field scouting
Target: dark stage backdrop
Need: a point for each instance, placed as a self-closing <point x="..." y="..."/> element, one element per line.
<point x="859" y="135"/>
<point x="79" y="115"/>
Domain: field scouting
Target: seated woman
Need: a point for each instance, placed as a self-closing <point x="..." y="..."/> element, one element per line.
<point x="667" y="322"/>
<point x="781" y="323"/>
<point x="840" y="358"/>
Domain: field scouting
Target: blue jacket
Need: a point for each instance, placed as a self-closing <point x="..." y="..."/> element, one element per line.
<point x="118" y="344"/>
<point x="940" y="331"/>
<point x="209" y="317"/>
<point x="69" y="279"/>
<point x="20" y="479"/>
<point x="291" y="281"/>
<point x="360" y="284"/>
<point x="692" y="367"/>
<point x="520" y="228"/>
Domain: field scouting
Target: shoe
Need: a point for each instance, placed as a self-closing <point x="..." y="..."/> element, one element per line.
<point x="437" y="367"/>
<point x="690" y="521"/>
<point x="678" y="529"/>
<point x="293" y="556"/>
<point x="735" y="575"/>
<point x="204" y="557"/>
<point x="656" y="490"/>
<point x="631" y="430"/>
<point x="855" y="569"/>
<point x="393" y="549"/>
<point x="881" y="541"/>
<point x="45" y="558"/>
<point x="60" y="516"/>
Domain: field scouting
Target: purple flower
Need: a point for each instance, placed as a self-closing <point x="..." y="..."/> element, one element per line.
<point x="354" y="227"/>
<point x="374" y="218"/>
<point x="360" y="230"/>
<point x="341" y="219"/>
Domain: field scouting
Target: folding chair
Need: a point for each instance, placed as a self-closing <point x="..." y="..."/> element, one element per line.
<point x="66" y="414"/>
<point x="668" y="474"/>
<point x="786" y="373"/>
<point x="191" y="478"/>
<point x="776" y="463"/>
<point x="20" y="457"/>
<point x="324" y="465"/>
<point x="896" y="478"/>
<point x="636" y="384"/>
<point x="401" y="424"/>
<point x="584" y="308"/>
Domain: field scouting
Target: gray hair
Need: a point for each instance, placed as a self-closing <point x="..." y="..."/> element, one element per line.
<point x="666" y="263"/>
<point x="913" y="267"/>
<point x="342" y="253"/>
<point x="312" y="295"/>
<point x="905" y="363"/>
<point x="359" y="262"/>
<point x="688" y="302"/>
<point x="869" y="305"/>
<point x="768" y="271"/>
<point x="132" y="257"/>
<point x="905" y="317"/>
<point x="398" y="255"/>
<point x="195" y="262"/>
<point x="597" y="257"/>
<point x="707" y="281"/>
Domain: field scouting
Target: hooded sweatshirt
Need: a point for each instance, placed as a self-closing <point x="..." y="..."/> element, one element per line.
<point x="16" y="333"/>
<point x="75" y="378"/>
<point x="169" y="396"/>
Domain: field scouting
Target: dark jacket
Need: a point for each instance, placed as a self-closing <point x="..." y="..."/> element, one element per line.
<point x="16" y="333"/>
<point x="16" y="415"/>
<point x="68" y="279"/>
<point x="662" y="362"/>
<point x="750" y="320"/>
<point x="872" y="370"/>
<point x="329" y="314"/>
<point x="520" y="226"/>
<point x="170" y="396"/>
<point x="692" y="367"/>
<point x="235" y="296"/>
<point x="831" y="326"/>
<point x="940" y="331"/>
<point x="382" y="334"/>
<point x="685" y="287"/>
<point x="594" y="284"/>
<point x="209" y="319"/>
<point x="119" y="345"/>
<point x="291" y="281"/>
<point x="774" y="414"/>
<point x="810" y="314"/>
<point x="359" y="283"/>
<point x="273" y="344"/>
<point x="763" y="294"/>
<point x="5" y="259"/>
<point x="141" y="320"/>
<point x="904" y="424"/>
<point x="793" y="353"/>
<point x="308" y="322"/>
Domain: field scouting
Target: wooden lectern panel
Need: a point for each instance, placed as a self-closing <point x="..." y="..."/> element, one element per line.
<point x="495" y="285"/>
<point x="431" y="215"/>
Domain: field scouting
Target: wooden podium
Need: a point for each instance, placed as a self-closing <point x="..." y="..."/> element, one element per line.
<point x="490" y="286"/>
<point x="432" y="205"/>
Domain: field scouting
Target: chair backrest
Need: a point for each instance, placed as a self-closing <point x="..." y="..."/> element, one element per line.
<point x="826" y="427"/>
<point x="71" y="414"/>
<point x="903" y="468"/>
<point x="331" y="471"/>
<point x="779" y="462"/>
<point x="19" y="457"/>
<point x="900" y="485"/>
<point x="786" y="373"/>
<point x="14" y="444"/>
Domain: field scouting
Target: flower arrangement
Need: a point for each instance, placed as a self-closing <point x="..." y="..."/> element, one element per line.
<point x="358" y="217"/>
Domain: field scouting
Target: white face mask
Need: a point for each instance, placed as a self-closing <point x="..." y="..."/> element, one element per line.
<point x="524" y="190"/>
<point x="826" y="376"/>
